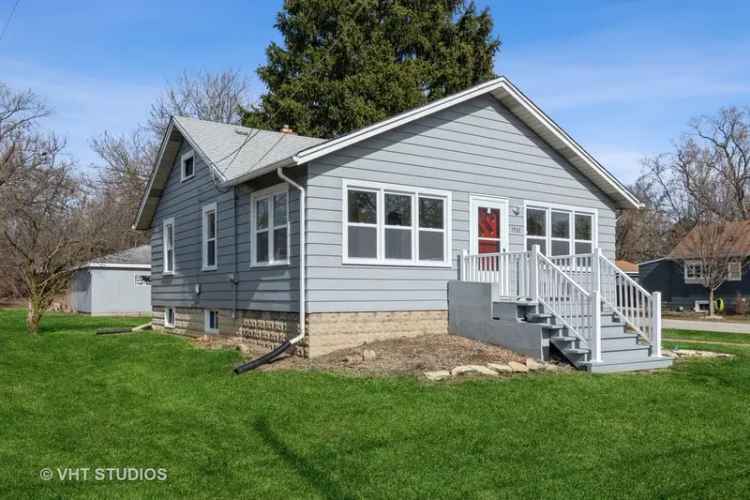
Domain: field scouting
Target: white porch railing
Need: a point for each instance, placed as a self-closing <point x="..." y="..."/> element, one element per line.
<point x="572" y="287"/>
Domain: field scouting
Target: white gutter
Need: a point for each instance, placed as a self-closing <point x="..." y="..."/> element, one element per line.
<point x="302" y="194"/>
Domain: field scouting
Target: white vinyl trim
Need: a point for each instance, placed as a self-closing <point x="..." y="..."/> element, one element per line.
<point x="572" y="211"/>
<point x="110" y="265"/>
<point x="269" y="194"/>
<point x="211" y="208"/>
<point x="381" y="189"/>
<point x="480" y="200"/>
<point x="166" y="246"/>
<point x="185" y="157"/>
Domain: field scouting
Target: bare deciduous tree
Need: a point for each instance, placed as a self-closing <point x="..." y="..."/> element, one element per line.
<point x="709" y="170"/>
<point x="217" y="97"/>
<point x="47" y="228"/>
<point x="19" y="115"/>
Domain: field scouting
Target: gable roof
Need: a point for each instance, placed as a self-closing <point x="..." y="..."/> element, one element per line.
<point x="266" y="154"/>
<point x="136" y="257"/>
<point x="735" y="241"/>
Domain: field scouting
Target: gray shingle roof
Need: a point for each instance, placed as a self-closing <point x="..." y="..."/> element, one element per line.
<point x="137" y="255"/>
<point x="236" y="150"/>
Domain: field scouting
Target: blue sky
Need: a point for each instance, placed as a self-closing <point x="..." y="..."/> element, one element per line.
<point x="623" y="77"/>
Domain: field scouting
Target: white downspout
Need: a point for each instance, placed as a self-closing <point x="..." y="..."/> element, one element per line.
<point x="280" y="173"/>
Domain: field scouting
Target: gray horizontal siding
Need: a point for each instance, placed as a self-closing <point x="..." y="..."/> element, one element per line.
<point x="478" y="147"/>
<point x="263" y="288"/>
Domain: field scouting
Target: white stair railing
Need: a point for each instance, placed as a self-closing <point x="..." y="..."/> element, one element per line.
<point x="575" y="307"/>
<point x="509" y="271"/>
<point x="638" y="308"/>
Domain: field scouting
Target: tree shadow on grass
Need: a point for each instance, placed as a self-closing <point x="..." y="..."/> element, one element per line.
<point x="316" y="476"/>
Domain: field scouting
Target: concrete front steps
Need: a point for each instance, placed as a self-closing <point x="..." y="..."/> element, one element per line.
<point x="622" y="351"/>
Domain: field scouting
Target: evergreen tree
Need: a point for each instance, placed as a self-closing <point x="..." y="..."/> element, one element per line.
<point x="347" y="64"/>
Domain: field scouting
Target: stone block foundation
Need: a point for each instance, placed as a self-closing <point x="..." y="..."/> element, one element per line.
<point x="325" y="332"/>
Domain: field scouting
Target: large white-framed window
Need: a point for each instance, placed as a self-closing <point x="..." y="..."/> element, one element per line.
<point x="560" y="229"/>
<point x="187" y="166"/>
<point x="211" y="321"/>
<point x="210" y="237"/>
<point x="389" y="224"/>
<point x="168" y="245"/>
<point x="269" y="226"/>
<point x="169" y="317"/>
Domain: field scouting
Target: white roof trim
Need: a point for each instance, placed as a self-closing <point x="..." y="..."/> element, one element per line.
<point x="498" y="86"/>
<point x="112" y="265"/>
<point x="653" y="260"/>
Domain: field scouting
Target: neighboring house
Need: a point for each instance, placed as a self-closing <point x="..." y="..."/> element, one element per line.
<point x="629" y="268"/>
<point x="678" y="275"/>
<point x="115" y="284"/>
<point x="387" y="211"/>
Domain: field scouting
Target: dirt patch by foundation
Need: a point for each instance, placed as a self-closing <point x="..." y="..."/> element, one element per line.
<point x="403" y="356"/>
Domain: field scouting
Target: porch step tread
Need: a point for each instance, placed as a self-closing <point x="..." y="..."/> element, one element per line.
<point x="634" y="347"/>
<point x="564" y="339"/>
<point x="539" y="316"/>
<point x="651" y="363"/>
<point x="552" y="327"/>
<point x="575" y="350"/>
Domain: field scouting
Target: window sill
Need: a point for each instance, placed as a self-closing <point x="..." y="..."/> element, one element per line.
<point x="209" y="268"/>
<point x="185" y="179"/>
<point x="168" y="273"/>
<point x="369" y="262"/>
<point x="269" y="264"/>
<point x="211" y="332"/>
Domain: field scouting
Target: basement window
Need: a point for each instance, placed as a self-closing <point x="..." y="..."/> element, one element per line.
<point x="211" y="321"/>
<point x="169" y="316"/>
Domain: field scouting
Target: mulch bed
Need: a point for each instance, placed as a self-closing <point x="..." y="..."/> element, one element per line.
<point x="402" y="356"/>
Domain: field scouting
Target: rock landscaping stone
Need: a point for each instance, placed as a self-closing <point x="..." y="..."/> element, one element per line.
<point x="353" y="359"/>
<point x="533" y="365"/>
<point x="499" y="367"/>
<point x="473" y="369"/>
<point x="518" y="367"/>
<point x="551" y="367"/>
<point x="244" y="348"/>
<point x="368" y="355"/>
<point x="692" y="353"/>
<point x="437" y="375"/>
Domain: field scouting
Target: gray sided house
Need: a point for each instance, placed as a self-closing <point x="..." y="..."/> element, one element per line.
<point x="678" y="276"/>
<point x="380" y="218"/>
<point x="115" y="284"/>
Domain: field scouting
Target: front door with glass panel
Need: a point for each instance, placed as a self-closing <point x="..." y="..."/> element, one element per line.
<point x="489" y="225"/>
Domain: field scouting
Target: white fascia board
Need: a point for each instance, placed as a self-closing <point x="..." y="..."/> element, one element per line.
<point x="109" y="265"/>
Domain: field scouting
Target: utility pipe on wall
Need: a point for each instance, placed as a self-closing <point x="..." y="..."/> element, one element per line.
<point x="302" y="195"/>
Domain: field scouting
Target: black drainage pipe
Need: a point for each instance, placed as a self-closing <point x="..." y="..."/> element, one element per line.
<point x="266" y="358"/>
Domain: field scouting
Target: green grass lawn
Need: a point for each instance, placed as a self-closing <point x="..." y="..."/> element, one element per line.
<point x="69" y="398"/>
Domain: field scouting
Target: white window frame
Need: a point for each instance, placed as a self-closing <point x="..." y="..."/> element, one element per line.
<point x="734" y="275"/>
<point x="207" y="321"/>
<point x="415" y="192"/>
<point x="207" y="209"/>
<point x="693" y="278"/>
<point x="183" y="159"/>
<point x="268" y="194"/>
<point x="573" y="211"/>
<point x="165" y="246"/>
<point x="167" y="323"/>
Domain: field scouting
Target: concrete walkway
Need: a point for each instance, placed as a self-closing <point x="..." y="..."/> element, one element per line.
<point x="706" y="326"/>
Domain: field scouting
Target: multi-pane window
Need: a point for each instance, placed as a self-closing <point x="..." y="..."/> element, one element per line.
<point x="693" y="271"/>
<point x="211" y="321"/>
<point x="395" y="225"/>
<point x="188" y="166"/>
<point x="169" y="317"/>
<point x="559" y="231"/>
<point x="734" y="271"/>
<point x="209" y="237"/>
<point x="270" y="226"/>
<point x="168" y="244"/>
